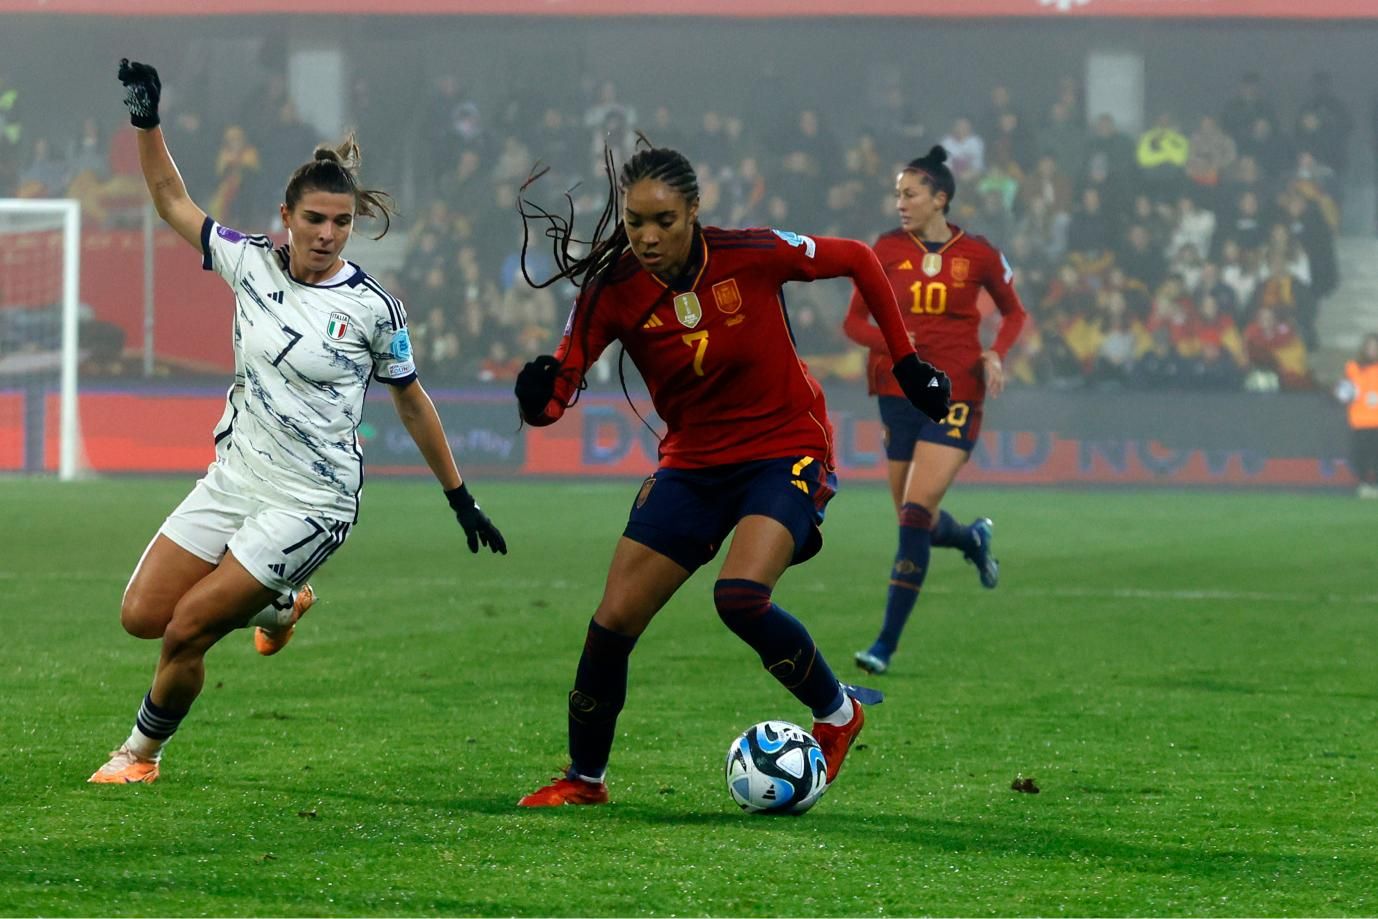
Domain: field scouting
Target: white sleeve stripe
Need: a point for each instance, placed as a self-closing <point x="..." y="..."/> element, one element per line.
<point x="393" y="304"/>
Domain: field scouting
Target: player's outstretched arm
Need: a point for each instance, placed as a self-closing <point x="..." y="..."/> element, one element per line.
<point x="419" y="417"/>
<point x="142" y="90"/>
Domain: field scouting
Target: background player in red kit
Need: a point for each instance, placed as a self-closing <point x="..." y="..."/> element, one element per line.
<point x="748" y="446"/>
<point x="937" y="272"/>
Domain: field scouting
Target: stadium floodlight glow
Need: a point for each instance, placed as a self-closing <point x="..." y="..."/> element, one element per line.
<point x="39" y="217"/>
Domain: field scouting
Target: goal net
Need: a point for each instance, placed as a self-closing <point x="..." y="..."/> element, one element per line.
<point x="39" y="347"/>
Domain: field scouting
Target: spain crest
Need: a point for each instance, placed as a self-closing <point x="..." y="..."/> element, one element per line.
<point x="932" y="264"/>
<point x="645" y="491"/>
<point x="688" y="310"/>
<point x="961" y="267"/>
<point x="727" y="296"/>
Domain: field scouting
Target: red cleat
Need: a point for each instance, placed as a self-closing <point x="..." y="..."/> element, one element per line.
<point x="836" y="741"/>
<point x="567" y="790"/>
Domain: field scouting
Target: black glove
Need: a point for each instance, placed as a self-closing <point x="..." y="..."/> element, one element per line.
<point x="477" y="527"/>
<point x="927" y="387"/>
<point x="536" y="385"/>
<point x="142" y="89"/>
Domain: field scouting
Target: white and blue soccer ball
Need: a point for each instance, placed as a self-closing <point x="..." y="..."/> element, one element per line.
<point x="776" y="768"/>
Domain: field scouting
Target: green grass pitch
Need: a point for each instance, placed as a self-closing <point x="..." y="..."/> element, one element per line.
<point x="1191" y="679"/>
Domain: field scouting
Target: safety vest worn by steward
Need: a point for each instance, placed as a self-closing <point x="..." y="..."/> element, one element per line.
<point x="1363" y="409"/>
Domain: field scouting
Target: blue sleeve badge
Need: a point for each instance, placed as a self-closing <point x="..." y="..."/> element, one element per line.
<point x="401" y="345"/>
<point x="798" y="241"/>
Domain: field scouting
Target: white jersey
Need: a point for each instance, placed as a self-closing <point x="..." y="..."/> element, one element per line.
<point x="304" y="355"/>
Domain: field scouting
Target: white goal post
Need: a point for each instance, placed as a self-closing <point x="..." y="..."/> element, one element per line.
<point x="34" y="218"/>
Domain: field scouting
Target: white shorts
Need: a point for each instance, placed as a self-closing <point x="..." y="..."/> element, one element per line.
<point x="279" y="547"/>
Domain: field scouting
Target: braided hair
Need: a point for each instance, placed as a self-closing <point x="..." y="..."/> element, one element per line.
<point x="591" y="272"/>
<point x="933" y="172"/>
<point x="336" y="170"/>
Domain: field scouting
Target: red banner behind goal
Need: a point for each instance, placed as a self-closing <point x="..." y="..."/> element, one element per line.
<point x="758" y="9"/>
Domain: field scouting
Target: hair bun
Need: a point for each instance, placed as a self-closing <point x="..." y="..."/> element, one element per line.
<point x="326" y="154"/>
<point x="937" y="155"/>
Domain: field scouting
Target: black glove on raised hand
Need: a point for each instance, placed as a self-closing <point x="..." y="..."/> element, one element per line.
<point x="927" y="387"/>
<point x="477" y="527"/>
<point x="142" y="89"/>
<point x="536" y="385"/>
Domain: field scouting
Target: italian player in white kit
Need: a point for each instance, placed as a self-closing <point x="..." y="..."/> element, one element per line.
<point x="310" y="331"/>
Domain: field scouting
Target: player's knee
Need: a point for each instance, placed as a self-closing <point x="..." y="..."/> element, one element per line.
<point x="918" y="513"/>
<point x="142" y="617"/>
<point x="190" y="632"/>
<point x="739" y="601"/>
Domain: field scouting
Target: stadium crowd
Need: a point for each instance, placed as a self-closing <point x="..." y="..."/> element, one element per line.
<point x="1196" y="254"/>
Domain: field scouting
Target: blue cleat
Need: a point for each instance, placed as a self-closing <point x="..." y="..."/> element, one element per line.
<point x="872" y="662"/>
<point x="987" y="567"/>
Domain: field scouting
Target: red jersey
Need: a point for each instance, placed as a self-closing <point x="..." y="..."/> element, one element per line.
<point x="937" y="289"/>
<point x="717" y="355"/>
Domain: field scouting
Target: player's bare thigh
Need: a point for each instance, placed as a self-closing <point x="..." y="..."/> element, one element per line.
<point x="222" y="601"/>
<point x="640" y="582"/>
<point x="164" y="575"/>
<point x="761" y="550"/>
<point x="931" y="474"/>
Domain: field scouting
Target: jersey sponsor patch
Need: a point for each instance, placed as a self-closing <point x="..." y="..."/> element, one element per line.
<point x="230" y="236"/>
<point x="338" y="326"/>
<point x="798" y="241"/>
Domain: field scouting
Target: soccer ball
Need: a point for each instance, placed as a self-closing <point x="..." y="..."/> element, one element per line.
<point x="776" y="768"/>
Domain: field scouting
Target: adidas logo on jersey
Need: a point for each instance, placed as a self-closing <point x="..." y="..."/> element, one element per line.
<point x="276" y="296"/>
<point x="278" y="569"/>
<point x="653" y="323"/>
<point x="905" y="265"/>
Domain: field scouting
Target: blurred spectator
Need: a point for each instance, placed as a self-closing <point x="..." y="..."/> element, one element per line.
<point x="1244" y="224"/>
<point x="1324" y="124"/>
<point x="1159" y="366"/>
<point x="499" y="365"/>
<point x="237" y="167"/>
<point x="1120" y="335"/>
<point x="1010" y="146"/>
<point x="1063" y="137"/>
<point x="196" y="147"/>
<point x="1313" y="233"/>
<point x="1246" y="107"/>
<point x="45" y="176"/>
<point x="11" y="134"/>
<point x="966" y="151"/>
<point x="1089" y="230"/>
<point x="1359" y="390"/>
<point x="1219" y="357"/>
<point x="1195" y="227"/>
<point x="1276" y="349"/>
<point x="1140" y="259"/>
<point x="1242" y="270"/>
<point x="1162" y="154"/>
<point x="1271" y="151"/>
<point x="1287" y="293"/>
<point x="1211" y="153"/>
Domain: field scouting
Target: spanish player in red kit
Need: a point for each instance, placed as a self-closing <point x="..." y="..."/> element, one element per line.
<point x="748" y="446"/>
<point x="937" y="272"/>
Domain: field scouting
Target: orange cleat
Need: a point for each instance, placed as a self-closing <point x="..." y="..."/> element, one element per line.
<point x="270" y="641"/>
<point x="567" y="790"/>
<point x="125" y="768"/>
<point x="836" y="741"/>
